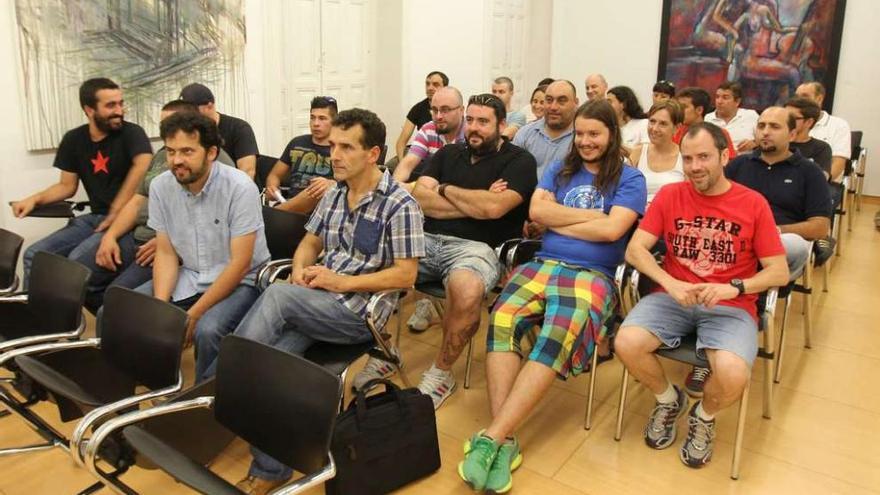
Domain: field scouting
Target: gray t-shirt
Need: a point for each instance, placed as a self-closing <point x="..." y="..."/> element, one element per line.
<point x="158" y="164"/>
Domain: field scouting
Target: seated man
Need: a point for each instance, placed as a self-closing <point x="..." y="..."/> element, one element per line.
<point x="502" y="87"/>
<point x="549" y="139"/>
<point x="209" y="235"/>
<point x="829" y="128"/>
<point x="307" y="159"/>
<point x="446" y="126"/>
<point x="797" y="193"/>
<point x="728" y="115"/>
<point x="370" y="230"/>
<point x="123" y="255"/>
<point x="806" y="113"/>
<point x="589" y="201"/>
<point x="709" y="288"/>
<point x="420" y="113"/>
<point x="695" y="103"/>
<point x="662" y="91"/>
<point x="465" y="220"/>
<point x="238" y="138"/>
<point x="109" y="156"/>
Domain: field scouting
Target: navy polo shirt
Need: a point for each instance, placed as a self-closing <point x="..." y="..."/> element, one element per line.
<point x="795" y="187"/>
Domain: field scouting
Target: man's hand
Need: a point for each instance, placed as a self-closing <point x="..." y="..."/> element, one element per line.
<point x="297" y="277"/>
<point x="191" y="321"/>
<point x="108" y="256"/>
<point x="321" y="277"/>
<point x="272" y="187"/>
<point x="318" y="186"/>
<point x="145" y="253"/>
<point x="684" y="293"/>
<point x="533" y="230"/>
<point x="24" y="207"/>
<point x="106" y="223"/>
<point x="498" y="186"/>
<point x="710" y="294"/>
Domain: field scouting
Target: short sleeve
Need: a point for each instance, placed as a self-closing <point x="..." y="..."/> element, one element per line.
<point x="818" y="195"/>
<point x="766" y="238"/>
<point x="419" y="145"/>
<point x="156" y="219"/>
<point x="632" y="192"/>
<point x="407" y="232"/>
<point x="316" y="222"/>
<point x="516" y="118"/>
<point x="136" y="141"/>
<point x="246" y="144"/>
<point x="731" y="170"/>
<point x="414" y="114"/>
<point x="247" y="213"/>
<point x="285" y="155"/>
<point x="841" y="140"/>
<point x="519" y="138"/>
<point x="731" y="149"/>
<point x="65" y="158"/>
<point x="521" y="174"/>
<point x="823" y="158"/>
<point x="655" y="217"/>
<point x="434" y="167"/>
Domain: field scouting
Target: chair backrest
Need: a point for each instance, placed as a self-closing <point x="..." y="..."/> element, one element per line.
<point x="142" y="336"/>
<point x="281" y="404"/>
<point x="10" y="247"/>
<point x="284" y="231"/>
<point x="56" y="292"/>
<point x="264" y="166"/>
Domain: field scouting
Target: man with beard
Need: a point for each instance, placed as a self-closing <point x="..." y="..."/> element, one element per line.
<point x="549" y="139"/>
<point x="446" y="126"/>
<point x="475" y="195"/>
<point x="209" y="235"/>
<point x="109" y="156"/>
<point x="716" y="233"/>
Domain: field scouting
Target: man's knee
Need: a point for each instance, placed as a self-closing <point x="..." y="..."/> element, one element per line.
<point x="632" y="341"/>
<point x="729" y="372"/>
<point x="465" y="290"/>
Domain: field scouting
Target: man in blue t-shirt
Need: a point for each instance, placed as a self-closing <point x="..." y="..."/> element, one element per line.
<point x="307" y="161"/>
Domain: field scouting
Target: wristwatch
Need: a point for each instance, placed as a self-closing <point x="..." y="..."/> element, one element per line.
<point x="740" y="286"/>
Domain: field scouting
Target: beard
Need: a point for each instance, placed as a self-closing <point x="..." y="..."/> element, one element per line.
<point x="769" y="148"/>
<point x="108" y="124"/>
<point x="487" y="147"/>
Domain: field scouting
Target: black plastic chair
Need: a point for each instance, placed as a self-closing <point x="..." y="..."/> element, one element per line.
<point x="59" y="209"/>
<point x="140" y="345"/>
<point x="51" y="310"/>
<point x="10" y="248"/>
<point x="264" y="167"/>
<point x="686" y="353"/>
<point x="281" y="404"/>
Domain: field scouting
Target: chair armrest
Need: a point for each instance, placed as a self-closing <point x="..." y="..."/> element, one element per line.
<point x="41" y="348"/>
<point x="78" y="440"/>
<point x="271" y="271"/>
<point x="15" y="297"/>
<point x="41" y="339"/>
<point x="93" y="445"/>
<point x="13" y="287"/>
<point x="373" y="306"/>
<point x="309" y="481"/>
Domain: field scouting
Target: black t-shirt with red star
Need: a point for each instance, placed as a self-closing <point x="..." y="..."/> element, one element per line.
<point x="103" y="165"/>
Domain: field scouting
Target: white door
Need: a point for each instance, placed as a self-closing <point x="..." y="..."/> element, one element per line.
<point x="508" y="38"/>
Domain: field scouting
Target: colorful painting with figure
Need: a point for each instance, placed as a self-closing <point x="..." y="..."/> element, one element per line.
<point x="769" y="46"/>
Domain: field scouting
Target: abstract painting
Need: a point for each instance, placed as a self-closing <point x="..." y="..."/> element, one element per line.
<point x="769" y="46"/>
<point x="152" y="48"/>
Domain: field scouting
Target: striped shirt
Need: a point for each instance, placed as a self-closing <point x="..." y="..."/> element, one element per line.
<point x="427" y="141"/>
<point x="385" y="225"/>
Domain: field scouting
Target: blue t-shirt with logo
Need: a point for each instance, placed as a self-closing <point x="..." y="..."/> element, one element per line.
<point x="579" y="192"/>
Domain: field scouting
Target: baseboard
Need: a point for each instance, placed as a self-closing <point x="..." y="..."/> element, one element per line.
<point x="871" y="200"/>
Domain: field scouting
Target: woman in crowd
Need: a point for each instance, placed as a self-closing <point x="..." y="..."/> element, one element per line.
<point x="590" y="203"/>
<point x="660" y="160"/>
<point x="537" y="103"/>
<point x="630" y="116"/>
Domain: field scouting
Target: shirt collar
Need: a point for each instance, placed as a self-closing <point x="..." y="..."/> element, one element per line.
<point x="539" y="124"/>
<point x="824" y="117"/>
<point x="386" y="183"/>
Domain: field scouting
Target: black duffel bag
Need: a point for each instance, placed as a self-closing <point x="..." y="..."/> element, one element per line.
<point x="382" y="442"/>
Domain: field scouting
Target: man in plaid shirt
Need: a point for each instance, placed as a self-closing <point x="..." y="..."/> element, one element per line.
<point x="370" y="231"/>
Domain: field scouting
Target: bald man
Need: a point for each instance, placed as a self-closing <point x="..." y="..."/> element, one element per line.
<point x="596" y="87"/>
<point x="549" y="138"/>
<point x="833" y="130"/>
<point x="446" y="126"/>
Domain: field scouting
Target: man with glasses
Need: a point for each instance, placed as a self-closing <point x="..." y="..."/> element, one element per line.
<point x="806" y="113"/>
<point x="446" y="126"/>
<point x="307" y="159"/>
<point x="833" y="130"/>
<point x="420" y="114"/>
<point x="475" y="195"/>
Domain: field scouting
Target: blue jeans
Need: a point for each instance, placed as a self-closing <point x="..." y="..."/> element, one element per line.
<point x="62" y="242"/>
<point x="292" y="318"/>
<point x="101" y="277"/>
<point x="219" y="321"/>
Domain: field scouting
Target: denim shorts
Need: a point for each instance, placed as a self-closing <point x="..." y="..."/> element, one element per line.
<point x="445" y="254"/>
<point x="721" y="327"/>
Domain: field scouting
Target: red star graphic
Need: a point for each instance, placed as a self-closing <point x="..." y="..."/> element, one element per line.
<point x="100" y="163"/>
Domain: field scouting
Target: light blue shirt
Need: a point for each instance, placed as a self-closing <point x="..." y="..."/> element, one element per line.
<point x="201" y="226"/>
<point x="545" y="149"/>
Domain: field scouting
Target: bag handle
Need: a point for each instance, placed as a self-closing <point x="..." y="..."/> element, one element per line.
<point x="361" y="397"/>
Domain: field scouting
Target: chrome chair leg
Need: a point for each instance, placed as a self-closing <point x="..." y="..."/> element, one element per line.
<point x="620" y="405"/>
<point x="740" y="433"/>
<point x="594" y="364"/>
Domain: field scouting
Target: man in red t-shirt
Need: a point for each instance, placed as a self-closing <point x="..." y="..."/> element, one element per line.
<point x="716" y="231"/>
<point x="695" y="104"/>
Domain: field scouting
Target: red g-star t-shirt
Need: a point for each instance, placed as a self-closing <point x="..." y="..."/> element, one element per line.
<point x="713" y="239"/>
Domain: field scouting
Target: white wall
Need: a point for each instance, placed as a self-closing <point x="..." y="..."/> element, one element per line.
<point x="621" y="39"/>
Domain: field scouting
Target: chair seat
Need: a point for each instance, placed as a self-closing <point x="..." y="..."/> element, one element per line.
<point x="179" y="466"/>
<point x="82" y="375"/>
<point x="337" y="358"/>
<point x="433" y="289"/>
<point x="17" y="321"/>
<point x="685" y="353"/>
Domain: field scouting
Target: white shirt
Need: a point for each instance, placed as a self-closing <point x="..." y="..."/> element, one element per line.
<point x="741" y="127"/>
<point x="834" y="131"/>
<point x="635" y="132"/>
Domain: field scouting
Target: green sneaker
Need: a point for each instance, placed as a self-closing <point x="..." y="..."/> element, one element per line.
<point x="508" y="459"/>
<point x="479" y="454"/>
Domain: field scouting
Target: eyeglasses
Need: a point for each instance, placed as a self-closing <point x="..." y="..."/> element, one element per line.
<point x="443" y="110"/>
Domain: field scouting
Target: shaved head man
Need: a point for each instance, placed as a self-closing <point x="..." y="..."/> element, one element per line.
<point x="833" y="130"/>
<point x="596" y="87"/>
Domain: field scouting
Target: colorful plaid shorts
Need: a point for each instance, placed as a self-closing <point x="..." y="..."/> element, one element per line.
<point x="569" y="304"/>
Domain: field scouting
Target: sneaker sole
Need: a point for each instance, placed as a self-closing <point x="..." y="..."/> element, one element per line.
<point x="463" y="478"/>
<point x="694" y="466"/>
<point x="517" y="461"/>
<point x="417" y="330"/>
<point x="446" y="396"/>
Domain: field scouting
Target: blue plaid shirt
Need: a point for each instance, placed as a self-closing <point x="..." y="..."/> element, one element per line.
<point x="385" y="225"/>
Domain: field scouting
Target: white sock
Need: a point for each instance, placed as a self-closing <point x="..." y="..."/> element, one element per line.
<point x="702" y="414"/>
<point x="435" y="370"/>
<point x="669" y="396"/>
